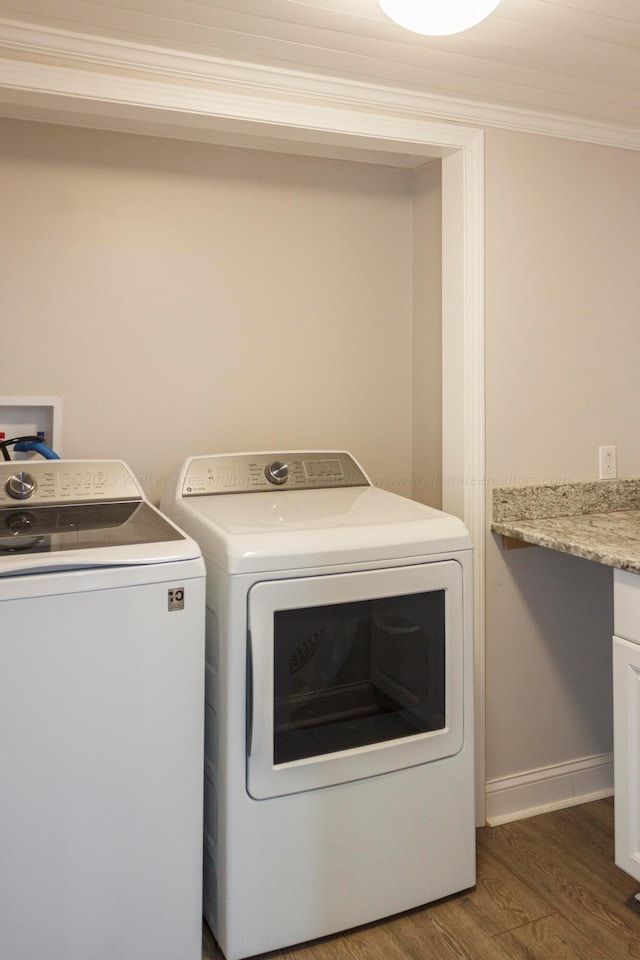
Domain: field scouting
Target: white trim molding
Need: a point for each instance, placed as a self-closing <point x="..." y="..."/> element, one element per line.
<point x="463" y="388"/>
<point x="549" y="788"/>
<point x="47" y="73"/>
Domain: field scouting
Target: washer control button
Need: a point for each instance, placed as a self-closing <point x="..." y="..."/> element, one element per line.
<point x="277" y="472"/>
<point x="20" y="523"/>
<point x="21" y="485"/>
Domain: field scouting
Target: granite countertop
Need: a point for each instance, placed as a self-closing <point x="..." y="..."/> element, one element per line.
<point x="596" y="519"/>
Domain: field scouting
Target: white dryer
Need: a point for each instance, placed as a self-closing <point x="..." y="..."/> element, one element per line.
<point x="101" y="719"/>
<point x="339" y="714"/>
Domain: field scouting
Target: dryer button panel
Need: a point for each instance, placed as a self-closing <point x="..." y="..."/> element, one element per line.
<point x="248" y="472"/>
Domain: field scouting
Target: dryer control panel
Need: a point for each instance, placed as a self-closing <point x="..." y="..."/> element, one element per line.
<point x="254" y="472"/>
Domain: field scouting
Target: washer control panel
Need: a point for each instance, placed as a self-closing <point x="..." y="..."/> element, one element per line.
<point x="255" y="472"/>
<point x="65" y="481"/>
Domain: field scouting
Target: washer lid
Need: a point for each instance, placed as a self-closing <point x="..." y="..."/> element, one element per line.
<point x="308" y="528"/>
<point x="69" y="514"/>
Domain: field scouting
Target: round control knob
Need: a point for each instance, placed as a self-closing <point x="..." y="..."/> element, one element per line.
<point x="277" y="472"/>
<point x="20" y="523"/>
<point x="21" y="485"/>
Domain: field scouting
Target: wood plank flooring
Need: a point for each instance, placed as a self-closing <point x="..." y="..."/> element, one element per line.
<point x="547" y="888"/>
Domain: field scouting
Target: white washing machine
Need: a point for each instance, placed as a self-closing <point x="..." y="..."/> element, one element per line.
<point x="339" y="713"/>
<point x="101" y="719"/>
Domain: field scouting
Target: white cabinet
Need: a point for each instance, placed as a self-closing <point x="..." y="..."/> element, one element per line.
<point x="626" y="719"/>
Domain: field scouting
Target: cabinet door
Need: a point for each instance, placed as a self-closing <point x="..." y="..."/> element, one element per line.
<point x="626" y="738"/>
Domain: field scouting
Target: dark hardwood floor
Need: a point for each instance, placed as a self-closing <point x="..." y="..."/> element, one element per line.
<point x="547" y="888"/>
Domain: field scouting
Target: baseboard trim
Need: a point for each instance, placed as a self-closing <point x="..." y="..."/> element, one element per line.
<point x="549" y="788"/>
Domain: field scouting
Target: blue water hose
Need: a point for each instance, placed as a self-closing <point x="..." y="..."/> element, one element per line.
<point x="37" y="446"/>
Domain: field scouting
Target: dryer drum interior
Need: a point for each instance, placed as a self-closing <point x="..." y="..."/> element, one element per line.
<point x="362" y="673"/>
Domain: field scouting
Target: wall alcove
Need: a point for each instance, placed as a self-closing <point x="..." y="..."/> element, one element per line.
<point x="109" y="86"/>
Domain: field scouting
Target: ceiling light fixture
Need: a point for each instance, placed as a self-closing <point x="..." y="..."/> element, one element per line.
<point x="437" y="18"/>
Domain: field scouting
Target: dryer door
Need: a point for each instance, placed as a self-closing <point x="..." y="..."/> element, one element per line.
<point x="353" y="675"/>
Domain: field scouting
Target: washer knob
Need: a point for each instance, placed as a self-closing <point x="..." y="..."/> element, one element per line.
<point x="20" y="523"/>
<point x="277" y="472"/>
<point x="21" y="485"/>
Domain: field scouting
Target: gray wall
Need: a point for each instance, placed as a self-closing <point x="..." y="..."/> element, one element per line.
<point x="186" y="298"/>
<point x="563" y="340"/>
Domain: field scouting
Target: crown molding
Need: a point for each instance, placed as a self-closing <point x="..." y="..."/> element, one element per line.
<point x="96" y="81"/>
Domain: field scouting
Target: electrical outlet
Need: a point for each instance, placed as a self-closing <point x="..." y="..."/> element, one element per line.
<point x="607" y="465"/>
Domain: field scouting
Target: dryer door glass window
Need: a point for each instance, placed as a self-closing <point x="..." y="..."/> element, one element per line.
<point x="352" y="674"/>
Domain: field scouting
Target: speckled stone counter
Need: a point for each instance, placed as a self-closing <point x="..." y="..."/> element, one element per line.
<point x="598" y="519"/>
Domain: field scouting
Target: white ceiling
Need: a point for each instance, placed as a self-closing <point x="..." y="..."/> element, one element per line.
<point x="568" y="58"/>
